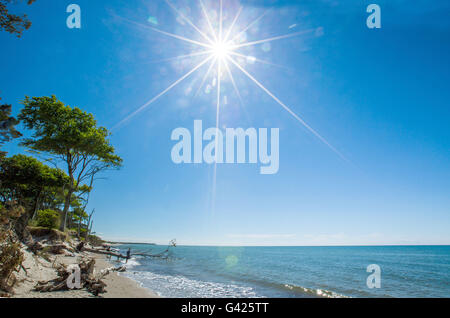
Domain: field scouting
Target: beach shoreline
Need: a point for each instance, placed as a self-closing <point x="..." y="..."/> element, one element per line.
<point x="39" y="269"/>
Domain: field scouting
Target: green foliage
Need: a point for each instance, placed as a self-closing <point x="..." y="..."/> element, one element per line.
<point x="65" y="131"/>
<point x="64" y="135"/>
<point x="48" y="219"/>
<point x="7" y="126"/>
<point x="13" y="23"/>
<point x="79" y="214"/>
<point x="27" y="180"/>
<point x="71" y="136"/>
<point x="7" y="123"/>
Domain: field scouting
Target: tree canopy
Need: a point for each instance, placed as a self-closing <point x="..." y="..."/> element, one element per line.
<point x="26" y="179"/>
<point x="7" y="126"/>
<point x="70" y="136"/>
<point x="12" y="23"/>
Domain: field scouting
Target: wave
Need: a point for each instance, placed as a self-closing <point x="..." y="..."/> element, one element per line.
<point x="314" y="292"/>
<point x="178" y="286"/>
<point x="132" y="262"/>
<point x="296" y="291"/>
<point x="293" y="290"/>
<point x="182" y="287"/>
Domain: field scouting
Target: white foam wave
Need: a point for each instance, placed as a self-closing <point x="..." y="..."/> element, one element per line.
<point x="182" y="287"/>
<point x="319" y="292"/>
<point x="132" y="262"/>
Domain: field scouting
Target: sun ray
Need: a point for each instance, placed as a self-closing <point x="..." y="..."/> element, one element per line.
<point x="219" y="81"/>
<point x="221" y="50"/>
<point x="179" y="57"/>
<point x="232" y="25"/>
<point x="213" y="62"/>
<point x="179" y="37"/>
<point x="213" y="190"/>
<point x="275" y="38"/>
<point x="259" y="60"/>
<point x="208" y="21"/>
<point x="140" y="109"/>
<point x="249" y="26"/>
<point x="230" y="75"/>
<point x="219" y="77"/>
<point x="220" y="22"/>
<point x="182" y="38"/>
<point x="236" y="89"/>
<point x="315" y="133"/>
<point x="189" y="21"/>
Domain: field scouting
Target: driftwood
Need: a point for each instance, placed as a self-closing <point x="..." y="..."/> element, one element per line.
<point x="164" y="254"/>
<point x="11" y="259"/>
<point x="104" y="252"/>
<point x="35" y="247"/>
<point x="57" y="249"/>
<point x="87" y="279"/>
<point x="106" y="271"/>
<point x="118" y="255"/>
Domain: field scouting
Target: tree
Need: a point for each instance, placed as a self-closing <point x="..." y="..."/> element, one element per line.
<point x="7" y="123"/>
<point x="48" y="218"/>
<point x="70" y="136"/>
<point x="12" y="23"/>
<point x="29" y="183"/>
<point x="79" y="215"/>
<point x="26" y="179"/>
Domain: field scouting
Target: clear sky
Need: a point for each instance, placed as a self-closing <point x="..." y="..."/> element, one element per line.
<point x="379" y="96"/>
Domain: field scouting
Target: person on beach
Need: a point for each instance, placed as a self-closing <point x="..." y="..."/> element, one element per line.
<point x="128" y="255"/>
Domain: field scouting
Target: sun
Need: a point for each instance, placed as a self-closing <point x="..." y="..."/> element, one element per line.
<point x="222" y="50"/>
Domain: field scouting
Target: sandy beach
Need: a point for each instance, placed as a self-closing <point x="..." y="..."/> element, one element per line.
<point x="39" y="269"/>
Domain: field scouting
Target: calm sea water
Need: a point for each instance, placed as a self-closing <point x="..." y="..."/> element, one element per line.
<point x="406" y="271"/>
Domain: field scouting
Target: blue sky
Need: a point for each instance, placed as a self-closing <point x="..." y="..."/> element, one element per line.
<point x="379" y="96"/>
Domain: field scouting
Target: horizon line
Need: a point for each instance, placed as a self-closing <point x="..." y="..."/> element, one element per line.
<point x="228" y="245"/>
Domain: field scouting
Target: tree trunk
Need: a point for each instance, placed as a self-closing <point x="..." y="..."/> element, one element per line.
<point x="36" y="205"/>
<point x="62" y="226"/>
<point x="79" y="228"/>
<point x="20" y="227"/>
<point x="90" y="230"/>
<point x="88" y="225"/>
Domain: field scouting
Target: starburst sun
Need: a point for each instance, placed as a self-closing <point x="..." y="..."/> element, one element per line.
<point x="221" y="50"/>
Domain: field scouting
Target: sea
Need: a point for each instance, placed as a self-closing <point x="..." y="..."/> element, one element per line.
<point x="213" y="272"/>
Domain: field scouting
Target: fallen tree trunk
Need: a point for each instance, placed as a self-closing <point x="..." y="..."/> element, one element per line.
<point x="164" y="254"/>
<point x="87" y="279"/>
<point x="104" y="252"/>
